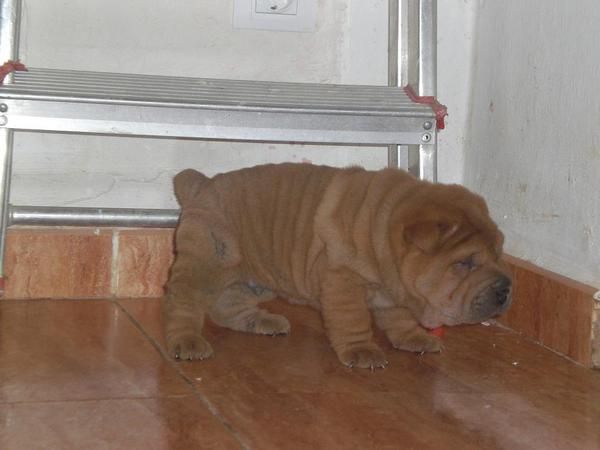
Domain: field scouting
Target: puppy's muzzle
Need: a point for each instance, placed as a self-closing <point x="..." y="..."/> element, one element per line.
<point x="493" y="300"/>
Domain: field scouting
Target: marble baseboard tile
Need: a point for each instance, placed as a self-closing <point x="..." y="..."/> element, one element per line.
<point x="72" y="262"/>
<point x="143" y="261"/>
<point x="58" y="263"/>
<point x="551" y="309"/>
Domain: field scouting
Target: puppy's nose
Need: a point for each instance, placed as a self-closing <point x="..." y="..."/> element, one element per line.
<point x="502" y="288"/>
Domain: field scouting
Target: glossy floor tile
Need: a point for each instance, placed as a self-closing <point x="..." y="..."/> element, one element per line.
<point x="127" y="424"/>
<point x="93" y="374"/>
<point x="81" y="375"/>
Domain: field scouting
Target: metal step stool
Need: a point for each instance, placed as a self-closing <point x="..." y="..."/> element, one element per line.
<point x="73" y="101"/>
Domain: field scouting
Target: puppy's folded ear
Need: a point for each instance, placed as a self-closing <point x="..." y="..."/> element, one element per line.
<point x="429" y="235"/>
<point x="187" y="185"/>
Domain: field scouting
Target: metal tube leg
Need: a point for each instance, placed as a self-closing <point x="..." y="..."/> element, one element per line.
<point x="428" y="79"/>
<point x="6" y="147"/>
<point x="427" y="47"/>
<point x="412" y="61"/>
<point x="407" y="157"/>
<point x="428" y="162"/>
<point x="393" y="42"/>
<point x="10" y="15"/>
<point x="410" y="159"/>
<point x="394" y="156"/>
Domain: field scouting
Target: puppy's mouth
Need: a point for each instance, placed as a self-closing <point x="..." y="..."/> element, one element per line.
<point x="491" y="301"/>
<point x="435" y="318"/>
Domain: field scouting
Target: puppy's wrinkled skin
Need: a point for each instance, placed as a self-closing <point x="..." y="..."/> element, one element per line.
<point x="362" y="246"/>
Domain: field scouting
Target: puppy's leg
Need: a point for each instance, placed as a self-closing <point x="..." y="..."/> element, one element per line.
<point x="237" y="309"/>
<point x="197" y="279"/>
<point x="404" y="332"/>
<point x="190" y="293"/>
<point x="348" y="320"/>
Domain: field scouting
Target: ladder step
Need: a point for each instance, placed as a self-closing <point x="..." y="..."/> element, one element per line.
<point x="153" y="105"/>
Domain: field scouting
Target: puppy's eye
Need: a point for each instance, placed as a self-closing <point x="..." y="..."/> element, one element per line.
<point x="467" y="264"/>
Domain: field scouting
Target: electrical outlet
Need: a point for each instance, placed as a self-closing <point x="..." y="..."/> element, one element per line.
<point x="276" y="15"/>
<point x="288" y="7"/>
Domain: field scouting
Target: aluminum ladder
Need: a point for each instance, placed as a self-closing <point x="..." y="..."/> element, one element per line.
<point x="403" y="116"/>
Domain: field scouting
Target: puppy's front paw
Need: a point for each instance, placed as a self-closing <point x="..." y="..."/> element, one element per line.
<point x="190" y="347"/>
<point x="419" y="343"/>
<point x="365" y="356"/>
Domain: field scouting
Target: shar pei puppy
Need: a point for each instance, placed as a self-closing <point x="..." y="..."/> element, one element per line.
<point x="364" y="247"/>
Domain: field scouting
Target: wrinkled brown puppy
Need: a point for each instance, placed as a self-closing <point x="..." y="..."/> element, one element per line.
<point x="357" y="244"/>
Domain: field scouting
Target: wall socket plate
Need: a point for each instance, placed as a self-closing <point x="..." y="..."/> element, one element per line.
<point x="288" y="7"/>
<point x="276" y="15"/>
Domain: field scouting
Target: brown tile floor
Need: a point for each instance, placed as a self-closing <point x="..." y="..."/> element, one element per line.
<point x="92" y="375"/>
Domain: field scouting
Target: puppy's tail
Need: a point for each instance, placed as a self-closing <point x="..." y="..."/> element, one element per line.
<point x="187" y="185"/>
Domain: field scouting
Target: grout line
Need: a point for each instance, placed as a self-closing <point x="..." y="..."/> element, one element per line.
<point x="114" y="268"/>
<point x="596" y="336"/>
<point x="209" y="405"/>
<point x="92" y="399"/>
<point x="14" y="301"/>
<point x="535" y="341"/>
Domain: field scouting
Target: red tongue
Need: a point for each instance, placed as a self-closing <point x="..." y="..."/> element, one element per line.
<point x="439" y="331"/>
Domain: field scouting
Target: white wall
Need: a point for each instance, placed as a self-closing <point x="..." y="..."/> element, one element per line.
<point x="196" y="38"/>
<point x="519" y="78"/>
<point x="533" y="147"/>
<point x="188" y="38"/>
<point x="456" y="28"/>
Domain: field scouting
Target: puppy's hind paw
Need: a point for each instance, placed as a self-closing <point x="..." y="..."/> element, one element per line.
<point x="189" y="347"/>
<point x="270" y="324"/>
<point x="420" y="343"/>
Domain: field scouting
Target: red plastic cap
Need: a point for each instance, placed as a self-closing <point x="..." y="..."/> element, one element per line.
<point x="440" y="110"/>
<point x="10" y="66"/>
